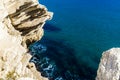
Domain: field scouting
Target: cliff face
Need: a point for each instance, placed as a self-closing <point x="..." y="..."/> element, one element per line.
<point x="21" y="23"/>
<point x="109" y="67"/>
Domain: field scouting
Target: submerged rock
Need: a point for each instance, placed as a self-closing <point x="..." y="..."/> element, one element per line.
<point x="55" y="60"/>
<point x="109" y="67"/>
<point x="21" y="23"/>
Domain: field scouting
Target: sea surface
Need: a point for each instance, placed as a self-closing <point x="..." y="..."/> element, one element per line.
<point x="75" y="38"/>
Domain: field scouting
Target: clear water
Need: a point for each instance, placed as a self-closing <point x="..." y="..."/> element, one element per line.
<point x="79" y="32"/>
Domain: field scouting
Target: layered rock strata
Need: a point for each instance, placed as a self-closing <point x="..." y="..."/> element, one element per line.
<point x="109" y="67"/>
<point x="21" y="23"/>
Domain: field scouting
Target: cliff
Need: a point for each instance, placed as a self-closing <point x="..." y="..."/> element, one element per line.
<point x="21" y="23"/>
<point x="109" y="67"/>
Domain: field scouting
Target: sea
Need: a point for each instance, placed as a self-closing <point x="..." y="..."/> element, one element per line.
<point x="76" y="37"/>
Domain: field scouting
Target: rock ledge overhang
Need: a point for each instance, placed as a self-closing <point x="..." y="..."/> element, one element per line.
<point x="21" y="23"/>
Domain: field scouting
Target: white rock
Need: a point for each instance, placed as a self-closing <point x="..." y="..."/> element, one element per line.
<point x="21" y="24"/>
<point x="25" y="79"/>
<point x="109" y="67"/>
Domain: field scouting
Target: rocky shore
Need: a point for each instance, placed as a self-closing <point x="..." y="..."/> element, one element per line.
<point x="21" y="23"/>
<point x="109" y="67"/>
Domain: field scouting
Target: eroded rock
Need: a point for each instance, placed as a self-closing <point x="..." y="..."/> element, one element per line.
<point x="109" y="67"/>
<point x="21" y="23"/>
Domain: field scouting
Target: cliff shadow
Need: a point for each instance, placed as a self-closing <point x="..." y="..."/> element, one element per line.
<point x="56" y="60"/>
<point x="51" y="28"/>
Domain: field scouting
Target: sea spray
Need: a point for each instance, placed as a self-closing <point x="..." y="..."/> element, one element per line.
<point x="56" y="61"/>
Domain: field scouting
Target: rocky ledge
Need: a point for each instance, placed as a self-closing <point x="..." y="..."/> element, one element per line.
<point x="109" y="67"/>
<point x="21" y="23"/>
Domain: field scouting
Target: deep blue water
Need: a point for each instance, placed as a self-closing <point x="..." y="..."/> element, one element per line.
<point x="78" y="34"/>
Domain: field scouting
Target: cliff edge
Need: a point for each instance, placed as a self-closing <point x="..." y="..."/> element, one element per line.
<point x="21" y="23"/>
<point x="109" y="67"/>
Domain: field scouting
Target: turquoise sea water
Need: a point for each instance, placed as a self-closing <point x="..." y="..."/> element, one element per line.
<point x="78" y="33"/>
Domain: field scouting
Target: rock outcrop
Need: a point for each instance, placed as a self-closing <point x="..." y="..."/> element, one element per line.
<point x="109" y="67"/>
<point x="21" y="23"/>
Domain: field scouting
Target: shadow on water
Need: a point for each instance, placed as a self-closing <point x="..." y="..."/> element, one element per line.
<point x="51" y="28"/>
<point x="56" y="60"/>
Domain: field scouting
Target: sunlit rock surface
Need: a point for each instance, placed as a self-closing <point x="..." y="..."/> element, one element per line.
<point x="21" y="23"/>
<point x="109" y="68"/>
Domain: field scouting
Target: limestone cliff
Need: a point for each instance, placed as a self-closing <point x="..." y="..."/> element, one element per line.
<point x="109" y="67"/>
<point x="21" y="23"/>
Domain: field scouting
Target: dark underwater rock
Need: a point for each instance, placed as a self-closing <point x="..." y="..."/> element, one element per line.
<point x="56" y="60"/>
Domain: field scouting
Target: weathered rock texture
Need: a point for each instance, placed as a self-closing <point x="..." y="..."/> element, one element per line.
<point x="21" y="23"/>
<point x="109" y="67"/>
